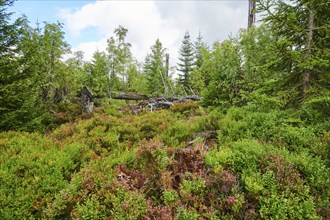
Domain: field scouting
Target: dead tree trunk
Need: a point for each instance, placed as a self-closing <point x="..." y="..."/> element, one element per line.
<point x="251" y="16"/>
<point x="128" y="96"/>
<point x="167" y="66"/>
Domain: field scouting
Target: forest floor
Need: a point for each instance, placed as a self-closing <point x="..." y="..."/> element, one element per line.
<point x="182" y="163"/>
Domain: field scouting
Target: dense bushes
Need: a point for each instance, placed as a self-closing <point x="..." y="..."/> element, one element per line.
<point x="167" y="165"/>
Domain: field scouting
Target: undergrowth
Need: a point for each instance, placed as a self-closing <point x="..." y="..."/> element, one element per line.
<point x="181" y="163"/>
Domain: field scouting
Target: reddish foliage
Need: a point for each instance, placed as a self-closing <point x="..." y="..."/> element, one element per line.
<point x="230" y="201"/>
<point x="129" y="179"/>
<point x="159" y="212"/>
<point x="286" y="175"/>
<point x="222" y="181"/>
<point x="187" y="160"/>
<point x="251" y="214"/>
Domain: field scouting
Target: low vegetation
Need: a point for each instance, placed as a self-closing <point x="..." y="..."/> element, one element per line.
<point x="182" y="163"/>
<point x="257" y="145"/>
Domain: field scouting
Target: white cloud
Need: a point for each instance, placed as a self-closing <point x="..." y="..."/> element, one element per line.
<point x="148" y="20"/>
<point x="90" y="47"/>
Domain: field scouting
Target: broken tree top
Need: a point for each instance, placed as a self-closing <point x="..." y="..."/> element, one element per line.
<point x="86" y="95"/>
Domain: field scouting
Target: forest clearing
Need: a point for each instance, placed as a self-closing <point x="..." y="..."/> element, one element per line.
<point x="239" y="129"/>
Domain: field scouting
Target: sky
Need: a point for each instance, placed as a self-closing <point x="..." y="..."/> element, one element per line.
<point x="88" y="24"/>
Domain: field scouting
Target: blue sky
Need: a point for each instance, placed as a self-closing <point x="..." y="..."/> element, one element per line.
<point x="48" y="11"/>
<point x="88" y="24"/>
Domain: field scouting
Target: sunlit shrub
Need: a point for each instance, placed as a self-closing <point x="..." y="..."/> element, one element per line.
<point x="195" y="186"/>
<point x="184" y="214"/>
<point x="128" y="205"/>
<point x="30" y="178"/>
<point x="222" y="157"/>
<point x="170" y="197"/>
<point x="185" y="107"/>
<point x="287" y="206"/>
<point x="90" y="209"/>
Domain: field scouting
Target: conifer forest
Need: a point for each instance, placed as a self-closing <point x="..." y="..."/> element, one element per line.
<point x="242" y="131"/>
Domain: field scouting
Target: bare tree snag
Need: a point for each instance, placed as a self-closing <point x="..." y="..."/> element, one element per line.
<point x="251" y="15"/>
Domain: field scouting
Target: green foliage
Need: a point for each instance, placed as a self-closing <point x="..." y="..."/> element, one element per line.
<point x="192" y="187"/>
<point x="184" y="214"/>
<point x="97" y="76"/>
<point x="315" y="110"/>
<point x="128" y="167"/>
<point x="177" y="132"/>
<point x="152" y="155"/>
<point x="300" y="46"/>
<point x="185" y="107"/>
<point x="287" y="207"/>
<point x="216" y="158"/>
<point x="155" y="70"/>
<point x="187" y="60"/>
<point x="33" y="170"/>
<point x="267" y="161"/>
<point x="170" y="196"/>
<point x="128" y="205"/>
<point x="223" y="74"/>
<point x="90" y="210"/>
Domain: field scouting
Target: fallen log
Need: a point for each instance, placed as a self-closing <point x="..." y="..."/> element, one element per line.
<point x="135" y="96"/>
<point x="128" y="96"/>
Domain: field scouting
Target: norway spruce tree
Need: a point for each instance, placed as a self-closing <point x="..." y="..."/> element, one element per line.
<point x="199" y="46"/>
<point x="154" y="69"/>
<point x="301" y="29"/>
<point x="17" y="80"/>
<point x="186" y="60"/>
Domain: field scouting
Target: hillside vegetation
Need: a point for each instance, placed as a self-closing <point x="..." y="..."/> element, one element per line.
<point x="256" y="146"/>
<point x="244" y="163"/>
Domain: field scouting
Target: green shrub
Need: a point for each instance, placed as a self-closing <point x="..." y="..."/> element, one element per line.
<point x="128" y="205"/>
<point x="295" y="138"/>
<point x="111" y="110"/>
<point x="185" y="107"/>
<point x="195" y="186"/>
<point x="287" y="206"/>
<point x="222" y="157"/>
<point x="90" y="209"/>
<point x="35" y="172"/>
<point x="258" y="184"/>
<point x="247" y="154"/>
<point x="184" y="214"/>
<point x="170" y="197"/>
<point x="176" y="133"/>
<point x="315" y="110"/>
<point x="209" y="122"/>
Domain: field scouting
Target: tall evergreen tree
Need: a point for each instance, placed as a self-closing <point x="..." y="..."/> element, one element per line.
<point x="75" y="76"/>
<point x="187" y="60"/>
<point x="17" y="81"/>
<point x="97" y="74"/>
<point x="197" y="79"/>
<point x="222" y="74"/>
<point x="155" y="70"/>
<point x="301" y="29"/>
<point x="54" y="75"/>
<point x="199" y="46"/>
<point x="119" y="59"/>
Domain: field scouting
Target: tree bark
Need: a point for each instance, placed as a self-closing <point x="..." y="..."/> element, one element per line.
<point x="251" y="16"/>
<point x="128" y="96"/>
